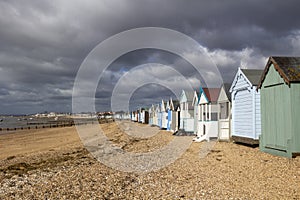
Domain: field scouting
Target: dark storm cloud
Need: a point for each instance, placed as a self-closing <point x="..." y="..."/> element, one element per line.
<point x="135" y="58"/>
<point x="4" y="92"/>
<point x="43" y="43"/>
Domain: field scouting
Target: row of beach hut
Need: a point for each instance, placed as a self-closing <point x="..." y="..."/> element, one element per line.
<point x="258" y="107"/>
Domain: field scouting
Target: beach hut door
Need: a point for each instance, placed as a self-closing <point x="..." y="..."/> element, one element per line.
<point x="178" y="120"/>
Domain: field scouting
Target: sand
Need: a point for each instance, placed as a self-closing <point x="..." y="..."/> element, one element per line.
<point x="53" y="164"/>
<point x="14" y="143"/>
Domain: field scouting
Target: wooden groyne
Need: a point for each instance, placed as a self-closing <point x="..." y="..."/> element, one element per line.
<point x="56" y="124"/>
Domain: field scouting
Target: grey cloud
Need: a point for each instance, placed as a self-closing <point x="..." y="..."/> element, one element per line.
<point x="43" y="43"/>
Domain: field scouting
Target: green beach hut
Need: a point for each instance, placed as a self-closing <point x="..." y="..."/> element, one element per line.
<point x="280" y="106"/>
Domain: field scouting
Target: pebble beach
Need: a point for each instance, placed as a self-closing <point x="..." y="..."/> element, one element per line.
<point x="53" y="164"/>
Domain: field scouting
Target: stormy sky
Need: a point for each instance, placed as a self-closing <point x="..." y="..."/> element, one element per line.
<point x="43" y="44"/>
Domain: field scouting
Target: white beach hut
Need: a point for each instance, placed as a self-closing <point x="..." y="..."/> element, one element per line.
<point x="195" y="104"/>
<point x="187" y="111"/>
<point x="224" y="117"/>
<point x="246" y="119"/>
<point x="155" y="114"/>
<point x="151" y="112"/>
<point x="173" y="115"/>
<point x="208" y="113"/>
<point x="163" y="115"/>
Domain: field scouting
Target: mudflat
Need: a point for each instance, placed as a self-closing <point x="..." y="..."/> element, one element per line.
<point x="53" y="164"/>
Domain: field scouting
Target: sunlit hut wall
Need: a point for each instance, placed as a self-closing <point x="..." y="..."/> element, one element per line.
<point x="140" y="117"/>
<point x="195" y="104"/>
<point x="169" y="114"/>
<point x="208" y="112"/>
<point x="133" y="117"/>
<point x="163" y="114"/>
<point x="155" y="115"/>
<point x="224" y="110"/>
<point x="175" y="116"/>
<point x="187" y="111"/>
<point x="280" y="106"/>
<point x="137" y="116"/>
<point x="151" y="113"/>
<point x="172" y="108"/>
<point x="160" y="111"/>
<point x="168" y="117"/>
<point x="246" y="119"/>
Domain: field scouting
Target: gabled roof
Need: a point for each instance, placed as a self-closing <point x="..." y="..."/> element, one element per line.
<point x="152" y="108"/>
<point x="211" y="94"/>
<point x="163" y="106"/>
<point x="287" y="67"/>
<point x="189" y="95"/>
<point x="168" y="105"/>
<point x="226" y="87"/>
<point x="253" y="75"/>
<point x="196" y="97"/>
<point x="157" y="107"/>
<point x="176" y="104"/>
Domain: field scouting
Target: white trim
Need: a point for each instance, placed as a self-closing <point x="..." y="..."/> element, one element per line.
<point x="209" y="111"/>
<point x="253" y="114"/>
<point x="233" y="115"/>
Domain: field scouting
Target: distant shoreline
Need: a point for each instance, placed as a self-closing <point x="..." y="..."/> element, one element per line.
<point x="12" y="124"/>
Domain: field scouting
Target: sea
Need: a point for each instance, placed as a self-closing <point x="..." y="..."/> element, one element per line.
<point x="25" y="121"/>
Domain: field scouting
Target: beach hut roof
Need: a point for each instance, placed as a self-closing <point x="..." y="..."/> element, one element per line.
<point x="211" y="94"/>
<point x="253" y="75"/>
<point x="196" y="97"/>
<point x="287" y="67"/>
<point x="176" y="104"/>
<point x="227" y="88"/>
<point x="189" y="95"/>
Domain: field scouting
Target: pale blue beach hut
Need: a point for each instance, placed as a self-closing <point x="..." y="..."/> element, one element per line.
<point x="246" y="117"/>
<point x="187" y="111"/>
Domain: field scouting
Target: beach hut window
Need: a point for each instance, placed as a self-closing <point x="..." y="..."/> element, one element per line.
<point x="224" y="110"/>
<point x="214" y="117"/>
